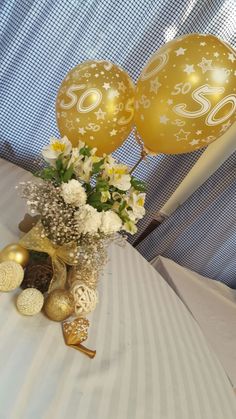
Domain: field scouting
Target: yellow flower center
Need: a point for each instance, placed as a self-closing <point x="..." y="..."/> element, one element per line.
<point x="58" y="146"/>
<point x="140" y="202"/>
<point x="117" y="171"/>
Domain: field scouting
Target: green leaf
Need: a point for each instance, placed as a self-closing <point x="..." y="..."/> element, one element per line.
<point x="95" y="201"/>
<point x="67" y="175"/>
<point x="88" y="188"/>
<point x="97" y="167"/>
<point x="124" y="216"/>
<point x="85" y="151"/>
<point x="102" y="185"/>
<point x="122" y="206"/>
<point x="139" y="185"/>
<point x="59" y="164"/>
<point x="95" y="197"/>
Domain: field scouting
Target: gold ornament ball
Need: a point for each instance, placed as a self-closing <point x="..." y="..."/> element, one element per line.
<point x="30" y="302"/>
<point x="59" y="305"/>
<point x="11" y="275"/>
<point x="16" y="253"/>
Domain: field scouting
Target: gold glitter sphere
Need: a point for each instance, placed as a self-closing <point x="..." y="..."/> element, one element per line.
<point x="30" y="302"/>
<point x="16" y="253"/>
<point x="11" y="275"/>
<point x="59" y="305"/>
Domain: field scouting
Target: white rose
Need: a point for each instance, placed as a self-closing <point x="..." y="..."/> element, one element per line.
<point x="73" y="193"/>
<point x="111" y="222"/>
<point x="89" y="219"/>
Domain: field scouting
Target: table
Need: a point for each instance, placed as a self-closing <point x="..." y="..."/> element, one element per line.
<point x="152" y="360"/>
<point x="212" y="304"/>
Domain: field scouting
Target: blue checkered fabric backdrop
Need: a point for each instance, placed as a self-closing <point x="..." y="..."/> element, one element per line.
<point x="42" y="39"/>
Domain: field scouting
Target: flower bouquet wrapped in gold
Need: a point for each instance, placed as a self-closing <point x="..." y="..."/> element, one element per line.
<point x="79" y="203"/>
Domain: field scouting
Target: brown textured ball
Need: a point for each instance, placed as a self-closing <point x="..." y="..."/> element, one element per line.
<point x="37" y="276"/>
<point x="59" y="305"/>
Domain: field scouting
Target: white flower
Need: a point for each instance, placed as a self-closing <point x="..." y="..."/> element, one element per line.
<point x="111" y="222"/>
<point x="105" y="195"/>
<point x="130" y="227"/>
<point x="75" y="157"/>
<point x="83" y="167"/>
<point x="117" y="175"/>
<point x="89" y="219"/>
<point x="73" y="193"/>
<point x="56" y="147"/>
<point x="136" y="202"/>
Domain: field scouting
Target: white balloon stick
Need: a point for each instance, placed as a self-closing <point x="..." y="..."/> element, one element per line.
<point x="215" y="154"/>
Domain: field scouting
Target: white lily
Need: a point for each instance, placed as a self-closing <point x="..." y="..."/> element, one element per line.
<point x="117" y="175"/>
<point x="136" y="202"/>
<point x="130" y="227"/>
<point x="56" y="147"/>
<point x="105" y="195"/>
<point x="83" y="167"/>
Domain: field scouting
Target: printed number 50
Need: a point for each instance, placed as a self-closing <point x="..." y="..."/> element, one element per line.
<point x="80" y="102"/>
<point x="199" y="96"/>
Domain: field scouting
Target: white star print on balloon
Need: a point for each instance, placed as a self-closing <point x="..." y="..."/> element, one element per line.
<point x="69" y="125"/>
<point x="180" y="51"/>
<point x="154" y="85"/>
<point x="82" y="131"/>
<point x="182" y="135"/>
<point x="205" y="65"/>
<point x="231" y="57"/>
<point x="189" y="69"/>
<point x="100" y="114"/>
<point x="121" y="86"/>
<point x="194" y="142"/>
<point x="106" y="86"/>
<point x="164" y="119"/>
<point x="113" y="93"/>
<point x="225" y="126"/>
<point x="113" y="132"/>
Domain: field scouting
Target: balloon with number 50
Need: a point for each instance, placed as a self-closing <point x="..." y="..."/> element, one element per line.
<point x="95" y="104"/>
<point x="186" y="94"/>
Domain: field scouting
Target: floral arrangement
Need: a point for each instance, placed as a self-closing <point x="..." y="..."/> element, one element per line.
<point x="84" y="194"/>
<point x="79" y="203"/>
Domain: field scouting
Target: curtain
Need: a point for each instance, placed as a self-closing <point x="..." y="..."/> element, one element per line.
<point x="40" y="40"/>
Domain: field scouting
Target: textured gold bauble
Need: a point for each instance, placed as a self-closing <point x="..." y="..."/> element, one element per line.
<point x="11" y="275"/>
<point x="59" y="305"/>
<point x="30" y="302"/>
<point x="16" y="253"/>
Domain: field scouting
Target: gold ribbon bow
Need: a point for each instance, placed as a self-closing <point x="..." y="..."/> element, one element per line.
<point x="60" y="255"/>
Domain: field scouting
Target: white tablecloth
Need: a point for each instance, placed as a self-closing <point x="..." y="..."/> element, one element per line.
<point x="152" y="359"/>
<point x="212" y="304"/>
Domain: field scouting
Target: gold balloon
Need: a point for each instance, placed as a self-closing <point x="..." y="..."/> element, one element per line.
<point x="16" y="253"/>
<point x="186" y="95"/>
<point x="59" y="305"/>
<point x="95" y="104"/>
